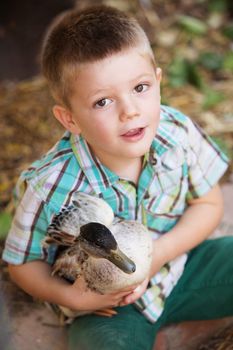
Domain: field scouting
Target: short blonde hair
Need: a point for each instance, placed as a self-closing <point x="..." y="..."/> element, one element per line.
<point x="77" y="37"/>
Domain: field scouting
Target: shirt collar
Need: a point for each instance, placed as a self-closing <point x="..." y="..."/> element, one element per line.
<point x="163" y="142"/>
<point x="99" y="177"/>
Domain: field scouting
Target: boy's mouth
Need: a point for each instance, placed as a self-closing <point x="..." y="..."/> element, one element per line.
<point x="134" y="134"/>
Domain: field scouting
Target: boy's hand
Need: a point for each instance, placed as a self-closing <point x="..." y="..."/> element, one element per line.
<point x="135" y="294"/>
<point x="85" y="299"/>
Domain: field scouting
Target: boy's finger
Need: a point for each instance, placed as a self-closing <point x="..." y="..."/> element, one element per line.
<point x="126" y="290"/>
<point x="132" y="297"/>
<point x="122" y="294"/>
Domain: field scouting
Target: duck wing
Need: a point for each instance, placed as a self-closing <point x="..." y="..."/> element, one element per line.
<point x="93" y="209"/>
<point x="65" y="226"/>
<point x="67" y="222"/>
<point x="69" y="262"/>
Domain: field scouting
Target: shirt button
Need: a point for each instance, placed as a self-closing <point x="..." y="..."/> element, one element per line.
<point x="153" y="161"/>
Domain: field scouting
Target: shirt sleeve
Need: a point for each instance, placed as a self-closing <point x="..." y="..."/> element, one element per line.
<point x="206" y="162"/>
<point x="29" y="226"/>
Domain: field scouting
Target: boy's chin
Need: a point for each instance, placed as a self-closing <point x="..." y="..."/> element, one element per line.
<point x="139" y="153"/>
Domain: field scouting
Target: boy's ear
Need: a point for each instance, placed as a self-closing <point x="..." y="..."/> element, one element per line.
<point x="64" y="116"/>
<point x="158" y="73"/>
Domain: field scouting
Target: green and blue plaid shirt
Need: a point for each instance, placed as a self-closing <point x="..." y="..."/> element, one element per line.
<point x="182" y="163"/>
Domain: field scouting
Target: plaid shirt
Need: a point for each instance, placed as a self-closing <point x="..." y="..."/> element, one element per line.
<point x="182" y="163"/>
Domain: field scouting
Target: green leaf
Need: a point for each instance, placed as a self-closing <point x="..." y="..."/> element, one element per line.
<point x="182" y="71"/>
<point x="5" y="222"/>
<point x="211" y="60"/>
<point x="228" y="61"/>
<point x="211" y="98"/>
<point x="193" y="75"/>
<point x="228" y="31"/>
<point x="177" y="72"/>
<point x="192" y="25"/>
<point x="217" y="5"/>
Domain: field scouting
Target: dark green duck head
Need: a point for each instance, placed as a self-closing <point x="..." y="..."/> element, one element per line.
<point x="98" y="241"/>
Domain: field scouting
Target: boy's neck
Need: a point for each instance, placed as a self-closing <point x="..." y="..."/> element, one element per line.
<point x="131" y="170"/>
<point x="128" y="169"/>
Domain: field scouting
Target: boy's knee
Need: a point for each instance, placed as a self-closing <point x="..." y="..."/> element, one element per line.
<point x="221" y="245"/>
<point x="208" y="261"/>
<point x="214" y="247"/>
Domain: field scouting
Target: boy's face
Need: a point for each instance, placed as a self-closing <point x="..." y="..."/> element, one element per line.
<point x="116" y="106"/>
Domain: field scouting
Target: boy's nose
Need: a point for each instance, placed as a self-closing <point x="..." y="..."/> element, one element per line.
<point x="129" y="110"/>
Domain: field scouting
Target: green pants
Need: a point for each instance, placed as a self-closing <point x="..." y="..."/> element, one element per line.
<point x="205" y="291"/>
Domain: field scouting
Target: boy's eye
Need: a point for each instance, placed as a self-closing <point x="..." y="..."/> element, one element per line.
<point x="141" y="87"/>
<point x="102" y="103"/>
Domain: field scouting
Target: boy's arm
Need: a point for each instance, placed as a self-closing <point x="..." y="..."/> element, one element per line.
<point x="197" y="223"/>
<point x="35" y="279"/>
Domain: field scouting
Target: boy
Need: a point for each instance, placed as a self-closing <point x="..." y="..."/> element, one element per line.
<point x="149" y="162"/>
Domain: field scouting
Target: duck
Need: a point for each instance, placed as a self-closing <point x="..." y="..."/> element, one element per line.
<point x="110" y="253"/>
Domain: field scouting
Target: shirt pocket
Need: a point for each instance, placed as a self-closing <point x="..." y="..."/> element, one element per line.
<point x="167" y="193"/>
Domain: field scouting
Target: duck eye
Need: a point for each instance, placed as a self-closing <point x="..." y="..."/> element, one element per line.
<point x="98" y="242"/>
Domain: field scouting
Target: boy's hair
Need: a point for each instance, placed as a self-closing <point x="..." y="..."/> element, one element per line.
<point x="77" y="37"/>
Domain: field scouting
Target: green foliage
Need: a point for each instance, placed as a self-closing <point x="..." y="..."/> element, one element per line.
<point x="5" y="222"/>
<point x="192" y="25"/>
<point x="218" y="5"/>
<point x="211" y="60"/>
<point x="177" y="73"/>
<point x="228" y="61"/>
<point x="182" y="71"/>
<point x="211" y="97"/>
<point x="228" y="31"/>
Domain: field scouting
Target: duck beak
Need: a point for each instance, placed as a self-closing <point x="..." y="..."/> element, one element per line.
<point x="118" y="258"/>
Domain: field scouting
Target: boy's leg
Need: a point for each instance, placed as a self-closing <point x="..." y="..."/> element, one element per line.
<point x="205" y="290"/>
<point x="128" y="330"/>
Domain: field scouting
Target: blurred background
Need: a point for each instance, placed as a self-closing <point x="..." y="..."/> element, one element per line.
<point x="193" y="44"/>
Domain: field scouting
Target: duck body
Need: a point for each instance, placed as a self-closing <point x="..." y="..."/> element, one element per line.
<point x="105" y="265"/>
<point x="134" y="241"/>
<point x="102" y="275"/>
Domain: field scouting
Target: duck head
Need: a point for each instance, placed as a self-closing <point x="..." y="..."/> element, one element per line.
<point x="98" y="241"/>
